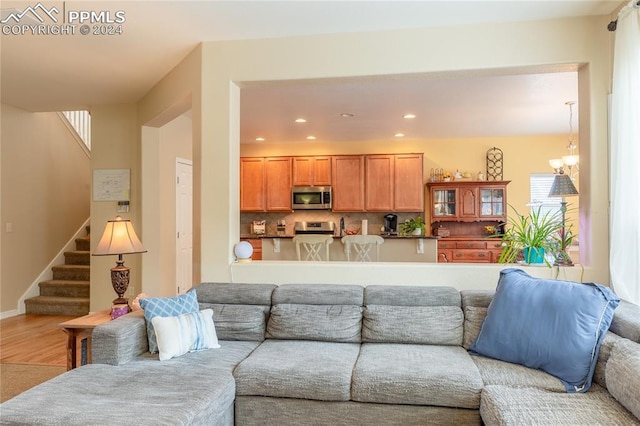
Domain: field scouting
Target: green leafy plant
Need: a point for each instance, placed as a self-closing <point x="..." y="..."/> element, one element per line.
<point x="409" y="226"/>
<point x="536" y="230"/>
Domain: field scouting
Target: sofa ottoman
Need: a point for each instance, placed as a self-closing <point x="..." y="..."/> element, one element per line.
<point x="98" y="394"/>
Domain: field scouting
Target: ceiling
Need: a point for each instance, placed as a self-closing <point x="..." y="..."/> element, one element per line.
<point x="58" y="72"/>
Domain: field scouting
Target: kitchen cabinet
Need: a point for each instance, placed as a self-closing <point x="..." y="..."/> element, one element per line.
<point x="379" y="182"/>
<point x="256" y="243"/>
<point x="468" y="201"/>
<point x="394" y="183"/>
<point x="265" y="184"/>
<point x="347" y="177"/>
<point x="312" y="171"/>
<point x="278" y="184"/>
<point x="252" y="194"/>
<point x="408" y="183"/>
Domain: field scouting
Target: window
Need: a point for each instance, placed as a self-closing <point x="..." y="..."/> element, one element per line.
<point x="540" y="184"/>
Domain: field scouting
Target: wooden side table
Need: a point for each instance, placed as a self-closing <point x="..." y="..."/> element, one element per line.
<point x="81" y="328"/>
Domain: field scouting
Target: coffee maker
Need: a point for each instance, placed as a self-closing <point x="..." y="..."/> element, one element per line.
<point x="391" y="224"/>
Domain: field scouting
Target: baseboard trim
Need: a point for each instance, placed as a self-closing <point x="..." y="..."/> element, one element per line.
<point x="8" y="314"/>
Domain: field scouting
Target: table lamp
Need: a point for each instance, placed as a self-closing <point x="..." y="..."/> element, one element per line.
<point x="119" y="238"/>
<point x="562" y="187"/>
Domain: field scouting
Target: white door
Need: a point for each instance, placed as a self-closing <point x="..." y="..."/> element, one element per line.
<point x="184" y="225"/>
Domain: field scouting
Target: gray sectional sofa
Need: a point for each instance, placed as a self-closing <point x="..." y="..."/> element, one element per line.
<point x="331" y="355"/>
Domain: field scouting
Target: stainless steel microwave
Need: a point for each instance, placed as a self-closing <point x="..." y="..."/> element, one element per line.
<point x="311" y="198"/>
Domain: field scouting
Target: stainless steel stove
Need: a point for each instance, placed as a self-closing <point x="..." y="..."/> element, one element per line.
<point x="314" y="228"/>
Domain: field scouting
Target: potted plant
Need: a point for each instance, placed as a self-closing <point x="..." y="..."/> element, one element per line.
<point x="531" y="234"/>
<point x="413" y="226"/>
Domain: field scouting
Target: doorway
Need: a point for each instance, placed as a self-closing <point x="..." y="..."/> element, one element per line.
<point x="184" y="225"/>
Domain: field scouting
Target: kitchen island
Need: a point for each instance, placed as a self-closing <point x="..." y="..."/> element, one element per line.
<point x="395" y="248"/>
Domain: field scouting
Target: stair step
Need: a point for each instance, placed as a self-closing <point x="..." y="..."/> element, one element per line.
<point x="64" y="288"/>
<point x="77" y="257"/>
<point x="83" y="244"/>
<point x="51" y="305"/>
<point x="71" y="272"/>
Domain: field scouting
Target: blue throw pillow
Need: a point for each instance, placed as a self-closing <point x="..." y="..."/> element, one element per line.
<point x="166" y="307"/>
<point x="551" y="325"/>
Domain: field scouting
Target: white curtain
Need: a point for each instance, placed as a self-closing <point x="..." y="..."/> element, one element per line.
<point x="625" y="157"/>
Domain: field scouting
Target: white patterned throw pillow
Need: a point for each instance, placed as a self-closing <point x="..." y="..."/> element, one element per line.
<point x="185" y="333"/>
<point x="166" y="307"/>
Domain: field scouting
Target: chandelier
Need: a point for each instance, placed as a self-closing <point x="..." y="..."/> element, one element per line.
<point x="571" y="160"/>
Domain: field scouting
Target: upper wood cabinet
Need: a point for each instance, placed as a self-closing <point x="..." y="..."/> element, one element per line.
<point x="468" y="201"/>
<point x="408" y="183"/>
<point x="394" y="183"/>
<point x="265" y="184"/>
<point x="379" y="182"/>
<point x="347" y="177"/>
<point x="252" y="195"/>
<point x="278" y="183"/>
<point x="312" y="171"/>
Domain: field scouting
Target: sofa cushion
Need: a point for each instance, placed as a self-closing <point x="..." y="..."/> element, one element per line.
<point x="626" y="321"/>
<point x="496" y="372"/>
<point x="430" y="325"/>
<point x="609" y="341"/>
<point x="623" y="375"/>
<point x="416" y="375"/>
<point x="239" y="322"/>
<point x="235" y="294"/>
<point x="331" y="313"/>
<point x="412" y="314"/>
<point x="318" y="294"/>
<point x="473" y="319"/>
<point x="330" y="323"/>
<point x="298" y="369"/>
<point x="507" y="406"/>
<point x="185" y="333"/>
<point x="166" y="307"/>
<point x="395" y="295"/>
<point x="556" y="326"/>
<point x="474" y="307"/>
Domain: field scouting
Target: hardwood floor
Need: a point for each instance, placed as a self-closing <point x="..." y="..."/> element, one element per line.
<point x="33" y="339"/>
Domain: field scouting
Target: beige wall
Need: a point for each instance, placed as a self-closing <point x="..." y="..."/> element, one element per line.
<point x="213" y="72"/>
<point x="45" y="196"/>
<point x="115" y="136"/>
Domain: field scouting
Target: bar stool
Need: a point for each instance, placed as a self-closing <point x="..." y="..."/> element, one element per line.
<point x="314" y="245"/>
<point x="361" y="247"/>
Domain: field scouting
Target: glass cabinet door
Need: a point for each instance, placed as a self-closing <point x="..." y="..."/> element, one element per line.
<point x="492" y="202"/>
<point x="444" y="202"/>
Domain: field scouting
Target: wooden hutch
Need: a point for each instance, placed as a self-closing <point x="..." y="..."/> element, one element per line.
<point x="460" y="212"/>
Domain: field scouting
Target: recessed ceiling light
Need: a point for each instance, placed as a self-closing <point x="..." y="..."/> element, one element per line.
<point x="409" y="116"/>
<point x="260" y="139"/>
<point x="311" y="138"/>
<point x="346" y="115"/>
<point x="300" y="120"/>
<point x="399" y="135"/>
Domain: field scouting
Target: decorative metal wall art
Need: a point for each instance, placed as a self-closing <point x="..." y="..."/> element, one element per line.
<point x="494" y="164"/>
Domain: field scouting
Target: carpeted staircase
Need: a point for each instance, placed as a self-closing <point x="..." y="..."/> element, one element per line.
<point x="68" y="292"/>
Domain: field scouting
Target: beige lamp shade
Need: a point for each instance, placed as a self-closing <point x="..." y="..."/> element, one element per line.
<point x="119" y="238"/>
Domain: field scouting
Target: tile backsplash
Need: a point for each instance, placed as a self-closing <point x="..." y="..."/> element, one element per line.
<point x="352" y="221"/>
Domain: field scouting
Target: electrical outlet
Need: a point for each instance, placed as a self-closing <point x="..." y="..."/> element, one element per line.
<point x="131" y="291"/>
